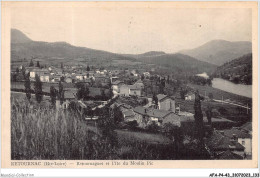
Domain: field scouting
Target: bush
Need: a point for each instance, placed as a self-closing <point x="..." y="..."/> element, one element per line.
<point x="222" y="111"/>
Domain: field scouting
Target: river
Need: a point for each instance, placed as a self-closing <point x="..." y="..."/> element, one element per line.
<point x="239" y="89"/>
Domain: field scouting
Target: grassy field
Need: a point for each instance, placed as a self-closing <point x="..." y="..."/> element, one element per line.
<point x="131" y="136"/>
<point x="46" y="87"/>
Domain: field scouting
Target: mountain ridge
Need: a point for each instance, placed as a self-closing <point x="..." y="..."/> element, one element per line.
<point x="219" y="51"/>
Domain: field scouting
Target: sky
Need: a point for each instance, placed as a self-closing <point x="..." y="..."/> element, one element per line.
<point x="133" y="30"/>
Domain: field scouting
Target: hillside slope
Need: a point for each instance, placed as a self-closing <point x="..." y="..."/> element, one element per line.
<point x="179" y="63"/>
<point x="23" y="47"/>
<point x="219" y="51"/>
<point x="238" y="70"/>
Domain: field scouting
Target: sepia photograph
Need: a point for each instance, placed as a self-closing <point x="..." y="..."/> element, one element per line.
<point x="130" y="81"/>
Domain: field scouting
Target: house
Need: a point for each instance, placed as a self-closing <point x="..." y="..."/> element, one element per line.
<point x="129" y="115"/>
<point x="190" y="96"/>
<point x="166" y="103"/>
<point x="135" y="90"/>
<point x="241" y="137"/>
<point x="113" y="79"/>
<point x="124" y="90"/>
<point x="146" y="74"/>
<point x="55" y="78"/>
<point x="45" y="77"/>
<point x="101" y="78"/>
<point x="30" y="69"/>
<point x="228" y="155"/>
<point x="39" y="72"/>
<point x="69" y="95"/>
<point x="79" y="76"/>
<point x="90" y="74"/>
<point x="145" y="116"/>
<point x="57" y="71"/>
<point x="218" y="143"/>
<point x="122" y="107"/>
<point x="139" y="83"/>
<point x="68" y="80"/>
<point x="116" y="85"/>
<point x="247" y="127"/>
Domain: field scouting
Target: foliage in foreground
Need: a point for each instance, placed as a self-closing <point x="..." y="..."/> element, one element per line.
<point x="41" y="133"/>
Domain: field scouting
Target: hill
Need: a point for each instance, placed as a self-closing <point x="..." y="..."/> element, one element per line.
<point x="238" y="70"/>
<point x="219" y="51"/>
<point x="179" y="63"/>
<point x="23" y="47"/>
<point x="18" y="37"/>
<point x="147" y="54"/>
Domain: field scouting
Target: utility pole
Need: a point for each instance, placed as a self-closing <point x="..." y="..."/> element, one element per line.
<point x="222" y="100"/>
<point x="247" y="108"/>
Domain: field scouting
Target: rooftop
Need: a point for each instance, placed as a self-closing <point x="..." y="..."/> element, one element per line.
<point x="134" y="87"/>
<point x="228" y="155"/>
<point x="239" y="133"/>
<point x="161" y="97"/>
<point x="128" y="113"/>
<point x="152" y="112"/>
<point x="69" y="94"/>
<point x="247" y="127"/>
<point x="220" y="142"/>
<point x="117" y="82"/>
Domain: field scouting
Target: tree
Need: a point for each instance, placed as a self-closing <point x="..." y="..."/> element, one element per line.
<point x="153" y="127"/>
<point x="83" y="91"/>
<point x="61" y="92"/>
<point x="86" y="93"/>
<point x="198" y="116"/>
<point x="88" y="68"/>
<point x="142" y="77"/>
<point x="38" y="64"/>
<point x="62" y="78"/>
<point x="209" y="114"/>
<point x="17" y="70"/>
<point x="183" y="92"/>
<point x="174" y="133"/>
<point x="27" y="85"/>
<point x="31" y="64"/>
<point x="24" y="71"/>
<point x="14" y="77"/>
<point x="211" y="96"/>
<point x="38" y="89"/>
<point x="80" y="92"/>
<point x="103" y="95"/>
<point x="155" y="100"/>
<point x="118" y="115"/>
<point x="53" y="93"/>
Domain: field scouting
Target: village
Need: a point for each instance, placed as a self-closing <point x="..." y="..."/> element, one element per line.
<point x="140" y="102"/>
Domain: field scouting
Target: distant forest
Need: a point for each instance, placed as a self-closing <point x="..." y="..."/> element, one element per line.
<point x="238" y="71"/>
